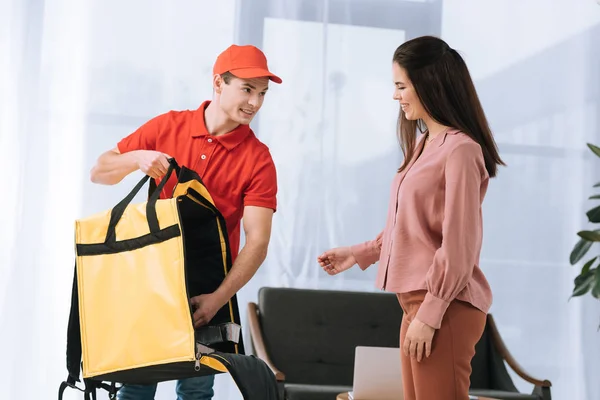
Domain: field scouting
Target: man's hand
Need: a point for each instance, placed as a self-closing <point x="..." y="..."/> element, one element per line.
<point x="112" y="166"/>
<point x="153" y="163"/>
<point x="205" y="307"/>
<point x="417" y="343"/>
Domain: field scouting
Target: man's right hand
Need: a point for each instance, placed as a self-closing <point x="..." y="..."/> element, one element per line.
<point x="337" y="260"/>
<point x="152" y="163"/>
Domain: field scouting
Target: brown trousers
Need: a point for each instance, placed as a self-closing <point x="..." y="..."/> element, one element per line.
<point x="445" y="374"/>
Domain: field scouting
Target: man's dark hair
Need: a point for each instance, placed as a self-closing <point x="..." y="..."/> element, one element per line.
<point x="227" y="77"/>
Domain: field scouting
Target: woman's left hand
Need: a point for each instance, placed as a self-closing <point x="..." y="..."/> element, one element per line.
<point x="417" y="342"/>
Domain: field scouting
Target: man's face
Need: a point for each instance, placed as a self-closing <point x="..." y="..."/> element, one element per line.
<point x="241" y="99"/>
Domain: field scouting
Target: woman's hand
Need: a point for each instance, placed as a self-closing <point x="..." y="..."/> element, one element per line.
<point x="336" y="260"/>
<point x="418" y="339"/>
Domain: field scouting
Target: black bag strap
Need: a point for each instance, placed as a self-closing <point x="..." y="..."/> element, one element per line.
<point x="152" y="186"/>
<point x="89" y="391"/>
<point x="68" y="383"/>
<point x="74" y="335"/>
<point x="252" y="376"/>
<point x="151" y="204"/>
<point x="119" y="209"/>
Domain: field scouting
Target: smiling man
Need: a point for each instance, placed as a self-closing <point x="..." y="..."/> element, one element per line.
<point x="237" y="169"/>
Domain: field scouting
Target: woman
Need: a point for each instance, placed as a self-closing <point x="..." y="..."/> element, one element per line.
<point x="428" y="252"/>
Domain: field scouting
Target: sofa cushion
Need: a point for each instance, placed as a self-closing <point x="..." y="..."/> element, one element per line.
<point x="312" y="335"/>
<point x="314" y="392"/>
<point x="502" y="395"/>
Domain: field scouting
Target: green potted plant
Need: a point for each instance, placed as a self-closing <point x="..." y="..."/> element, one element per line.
<point x="589" y="278"/>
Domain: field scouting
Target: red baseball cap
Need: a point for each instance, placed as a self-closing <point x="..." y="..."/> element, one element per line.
<point x="244" y="62"/>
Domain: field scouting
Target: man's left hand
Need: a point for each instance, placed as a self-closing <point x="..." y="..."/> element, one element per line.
<point x="205" y="307"/>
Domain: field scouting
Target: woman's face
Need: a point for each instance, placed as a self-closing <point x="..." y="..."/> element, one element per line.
<point x="406" y="95"/>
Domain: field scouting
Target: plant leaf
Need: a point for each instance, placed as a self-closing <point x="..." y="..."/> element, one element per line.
<point x="594" y="214"/>
<point x="597" y="184"/>
<point x="580" y="249"/>
<point x="583" y="283"/>
<point x="592" y="236"/>
<point x="596" y="284"/>
<point x="595" y="149"/>
<point x="587" y="266"/>
<point x="595" y="197"/>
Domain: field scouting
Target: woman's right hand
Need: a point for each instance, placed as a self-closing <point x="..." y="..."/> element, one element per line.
<point x="337" y="260"/>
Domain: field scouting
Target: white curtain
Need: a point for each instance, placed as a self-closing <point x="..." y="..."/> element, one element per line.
<point x="75" y="77"/>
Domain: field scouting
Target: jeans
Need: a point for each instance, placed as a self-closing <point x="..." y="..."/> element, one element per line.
<point x="200" y="388"/>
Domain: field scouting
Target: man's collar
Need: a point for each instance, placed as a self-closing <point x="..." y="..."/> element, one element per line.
<point x="229" y="140"/>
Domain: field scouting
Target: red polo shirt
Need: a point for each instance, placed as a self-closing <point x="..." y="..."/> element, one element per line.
<point x="236" y="167"/>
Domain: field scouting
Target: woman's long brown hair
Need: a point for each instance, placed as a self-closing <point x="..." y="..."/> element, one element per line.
<point x="444" y="86"/>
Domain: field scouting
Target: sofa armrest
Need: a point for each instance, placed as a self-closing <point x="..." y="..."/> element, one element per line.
<point x="510" y="360"/>
<point x="259" y="343"/>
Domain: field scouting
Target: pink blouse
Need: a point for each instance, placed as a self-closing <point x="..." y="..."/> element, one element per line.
<point x="433" y="234"/>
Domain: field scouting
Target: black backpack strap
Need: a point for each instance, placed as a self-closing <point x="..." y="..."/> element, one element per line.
<point x="89" y="391"/>
<point x="112" y="393"/>
<point x="74" y="335"/>
<point x="112" y="389"/>
<point x="74" y="347"/>
<point x="70" y="382"/>
<point x="251" y="375"/>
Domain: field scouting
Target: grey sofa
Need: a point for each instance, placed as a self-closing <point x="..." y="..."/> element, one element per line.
<point x="308" y="339"/>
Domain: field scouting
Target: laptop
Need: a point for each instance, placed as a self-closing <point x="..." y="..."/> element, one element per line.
<point x="377" y="374"/>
